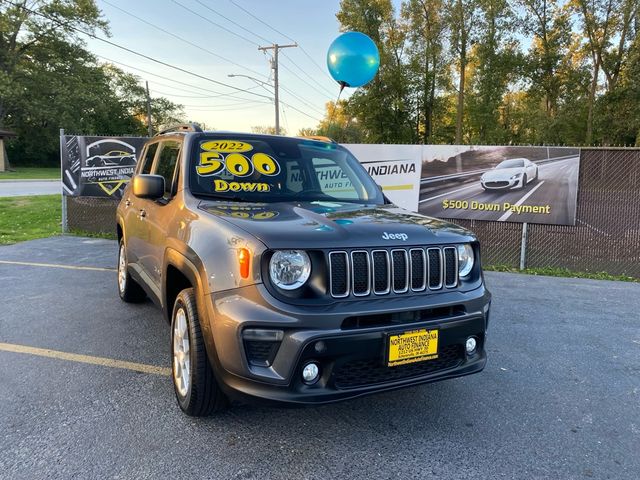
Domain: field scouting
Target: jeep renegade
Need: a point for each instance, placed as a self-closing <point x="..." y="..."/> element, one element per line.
<point x="288" y="276"/>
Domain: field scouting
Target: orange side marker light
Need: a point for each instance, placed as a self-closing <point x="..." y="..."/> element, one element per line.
<point x="244" y="259"/>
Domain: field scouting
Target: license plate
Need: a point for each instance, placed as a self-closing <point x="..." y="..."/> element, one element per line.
<point x="413" y="346"/>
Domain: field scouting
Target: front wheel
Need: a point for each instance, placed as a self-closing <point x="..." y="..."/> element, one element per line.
<point x="197" y="391"/>
<point x="128" y="289"/>
<point x="524" y="182"/>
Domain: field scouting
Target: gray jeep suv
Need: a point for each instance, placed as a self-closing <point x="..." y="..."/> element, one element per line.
<point x="287" y="276"/>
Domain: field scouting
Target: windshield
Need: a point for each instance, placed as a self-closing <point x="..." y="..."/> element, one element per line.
<point x="277" y="169"/>
<point x="511" y="163"/>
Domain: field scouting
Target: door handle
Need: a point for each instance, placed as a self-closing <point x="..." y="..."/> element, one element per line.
<point x="143" y="213"/>
<point x="127" y="203"/>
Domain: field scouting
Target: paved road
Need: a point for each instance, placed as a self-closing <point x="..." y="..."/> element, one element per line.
<point x="556" y="186"/>
<point x="29" y="187"/>
<point x="559" y="399"/>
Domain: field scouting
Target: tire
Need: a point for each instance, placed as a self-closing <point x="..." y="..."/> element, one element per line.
<point x="536" y="177"/>
<point x="128" y="288"/>
<point x="524" y="182"/>
<point x="194" y="383"/>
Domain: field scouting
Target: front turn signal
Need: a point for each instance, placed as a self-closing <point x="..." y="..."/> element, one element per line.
<point x="244" y="259"/>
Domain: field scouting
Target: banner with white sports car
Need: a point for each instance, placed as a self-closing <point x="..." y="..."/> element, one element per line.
<point x="493" y="183"/>
<point x="98" y="166"/>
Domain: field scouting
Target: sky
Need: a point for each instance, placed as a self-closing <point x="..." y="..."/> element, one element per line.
<point x="216" y="47"/>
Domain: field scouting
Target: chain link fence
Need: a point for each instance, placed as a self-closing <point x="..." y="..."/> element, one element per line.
<point x="90" y="214"/>
<point x="606" y="237"/>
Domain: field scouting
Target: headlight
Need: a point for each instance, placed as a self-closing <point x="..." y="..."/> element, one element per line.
<point x="516" y="176"/>
<point x="465" y="259"/>
<point x="289" y="269"/>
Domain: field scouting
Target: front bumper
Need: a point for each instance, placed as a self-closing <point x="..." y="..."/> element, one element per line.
<point x="352" y="361"/>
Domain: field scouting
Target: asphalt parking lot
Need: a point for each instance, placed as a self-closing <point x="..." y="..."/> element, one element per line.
<point x="560" y="397"/>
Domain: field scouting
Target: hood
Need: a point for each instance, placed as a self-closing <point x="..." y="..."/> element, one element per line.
<point x="335" y="225"/>
<point x="502" y="173"/>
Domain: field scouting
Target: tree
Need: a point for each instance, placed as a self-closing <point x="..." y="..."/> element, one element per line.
<point x="462" y="20"/>
<point x="382" y="107"/>
<point x="495" y="64"/>
<point x="548" y="24"/>
<point x="267" y="130"/>
<point x="427" y="63"/>
<point x="48" y="80"/>
<point x="603" y="21"/>
<point x="339" y="125"/>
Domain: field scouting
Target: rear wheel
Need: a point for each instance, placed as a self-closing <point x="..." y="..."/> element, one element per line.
<point x="128" y="289"/>
<point x="196" y="388"/>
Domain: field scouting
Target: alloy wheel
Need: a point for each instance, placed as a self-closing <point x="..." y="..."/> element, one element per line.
<point x="181" y="351"/>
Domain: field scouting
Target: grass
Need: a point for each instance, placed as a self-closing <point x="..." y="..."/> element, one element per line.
<point x="28" y="218"/>
<point x="31" y="173"/>
<point x="562" y="272"/>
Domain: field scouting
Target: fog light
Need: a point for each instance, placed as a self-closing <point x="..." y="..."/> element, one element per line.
<point x="310" y="373"/>
<point x="471" y="345"/>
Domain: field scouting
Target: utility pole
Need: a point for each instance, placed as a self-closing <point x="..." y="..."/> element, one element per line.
<point x="150" y="125"/>
<point x="274" y="65"/>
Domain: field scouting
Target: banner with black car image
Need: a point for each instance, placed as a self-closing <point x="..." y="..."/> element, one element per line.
<point x="98" y="166"/>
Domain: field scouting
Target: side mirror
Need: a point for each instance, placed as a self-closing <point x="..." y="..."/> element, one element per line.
<point x="148" y="186"/>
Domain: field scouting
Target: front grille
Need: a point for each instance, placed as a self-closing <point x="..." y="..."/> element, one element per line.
<point x="400" y="271"/>
<point x="379" y="272"/>
<point x="360" y="373"/>
<point x="496" y="184"/>
<point x="360" y="272"/>
<point x="339" y="274"/>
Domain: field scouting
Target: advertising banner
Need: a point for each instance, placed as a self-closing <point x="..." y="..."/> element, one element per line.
<point x="98" y="166"/>
<point x="492" y="183"/>
<point x="396" y="168"/>
<point x="504" y="184"/>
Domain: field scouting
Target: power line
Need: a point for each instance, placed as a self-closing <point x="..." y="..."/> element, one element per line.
<point x="184" y="40"/>
<point x="246" y="107"/>
<point x="286" y="120"/>
<point x="262" y="22"/>
<point x="234" y="22"/>
<point x="301" y="100"/>
<point x="324" y="72"/>
<point x="218" y="94"/>
<point x="214" y="23"/>
<point x="158" y="92"/>
<point x="303" y="80"/>
<point x="300" y="111"/>
<point x="326" y="93"/>
<point x="226" y="104"/>
<point x="147" y="57"/>
<point x="322" y="87"/>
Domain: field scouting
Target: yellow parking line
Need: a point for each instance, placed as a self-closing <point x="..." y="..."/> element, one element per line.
<point x="56" y="265"/>
<point x="75" y="357"/>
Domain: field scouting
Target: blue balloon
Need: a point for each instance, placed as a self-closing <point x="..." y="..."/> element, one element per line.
<point x="353" y="59"/>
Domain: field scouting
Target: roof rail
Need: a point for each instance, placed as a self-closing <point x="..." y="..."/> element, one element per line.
<point x="320" y="138"/>
<point x="184" y="127"/>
